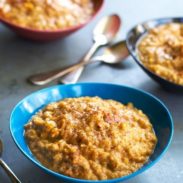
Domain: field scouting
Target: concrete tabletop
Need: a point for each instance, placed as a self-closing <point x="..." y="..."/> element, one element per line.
<point x="20" y="58"/>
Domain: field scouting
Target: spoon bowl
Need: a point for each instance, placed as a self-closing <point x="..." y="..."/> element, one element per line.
<point x="113" y="54"/>
<point x="106" y="29"/>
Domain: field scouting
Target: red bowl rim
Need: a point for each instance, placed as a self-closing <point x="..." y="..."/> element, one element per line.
<point x="101" y="4"/>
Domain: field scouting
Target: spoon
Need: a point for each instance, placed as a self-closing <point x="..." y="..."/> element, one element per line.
<point x="103" y="34"/>
<point x="111" y="55"/>
<point x="9" y="172"/>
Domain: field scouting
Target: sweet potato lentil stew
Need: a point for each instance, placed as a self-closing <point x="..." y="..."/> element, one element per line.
<point x="161" y="51"/>
<point x="46" y="14"/>
<point x="91" y="138"/>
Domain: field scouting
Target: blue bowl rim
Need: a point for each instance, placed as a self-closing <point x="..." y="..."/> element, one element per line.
<point x="76" y="180"/>
<point x="160" y="21"/>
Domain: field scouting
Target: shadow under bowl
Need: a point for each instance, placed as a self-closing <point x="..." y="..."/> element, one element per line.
<point x="50" y="35"/>
<point x="157" y="112"/>
<point x="133" y="38"/>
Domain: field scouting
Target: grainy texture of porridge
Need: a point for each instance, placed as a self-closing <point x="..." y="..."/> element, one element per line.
<point x="161" y="51"/>
<point x="46" y="14"/>
<point x="91" y="138"/>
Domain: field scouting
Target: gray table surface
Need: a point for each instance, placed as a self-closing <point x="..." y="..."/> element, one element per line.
<point x="20" y="58"/>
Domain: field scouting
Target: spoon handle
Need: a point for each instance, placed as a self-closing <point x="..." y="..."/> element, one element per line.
<point x="9" y="172"/>
<point x="46" y="77"/>
<point x="74" y="76"/>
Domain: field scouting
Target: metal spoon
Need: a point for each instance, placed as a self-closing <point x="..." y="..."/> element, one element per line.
<point x="103" y="34"/>
<point x="9" y="172"/>
<point x="112" y="55"/>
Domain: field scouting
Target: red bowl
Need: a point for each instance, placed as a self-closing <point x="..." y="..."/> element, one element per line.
<point x="49" y="35"/>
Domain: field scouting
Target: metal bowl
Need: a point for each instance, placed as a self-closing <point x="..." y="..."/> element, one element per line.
<point x="133" y="37"/>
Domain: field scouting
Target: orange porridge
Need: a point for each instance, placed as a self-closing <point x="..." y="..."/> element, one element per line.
<point x="161" y="51"/>
<point x="91" y="138"/>
<point x="46" y="14"/>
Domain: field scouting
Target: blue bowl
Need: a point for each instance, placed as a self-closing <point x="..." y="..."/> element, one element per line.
<point x="157" y="112"/>
<point x="132" y="40"/>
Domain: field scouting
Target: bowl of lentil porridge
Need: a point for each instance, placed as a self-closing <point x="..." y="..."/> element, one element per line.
<point x="86" y="94"/>
<point x="156" y="47"/>
<point x="47" y="20"/>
